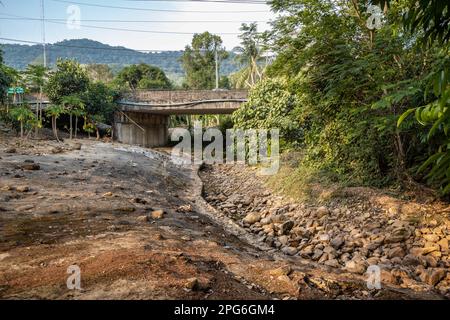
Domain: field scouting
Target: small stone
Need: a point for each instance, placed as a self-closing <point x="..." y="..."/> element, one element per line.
<point x="317" y="254"/>
<point x="332" y="263"/>
<point x="185" y="208"/>
<point x="157" y="214"/>
<point x="192" y="284"/>
<point x="396" y="252"/>
<point x="443" y="244"/>
<point x="355" y="267"/>
<point x="142" y="219"/>
<point x="322" y="211"/>
<point x="252" y="218"/>
<point x="25" y="208"/>
<point x="31" y="166"/>
<point x="411" y="260"/>
<point x="398" y="235"/>
<point x="22" y="189"/>
<point x="107" y="194"/>
<point x="56" y="150"/>
<point x="10" y="150"/>
<point x="284" y="240"/>
<point x="290" y="251"/>
<point x="281" y="271"/>
<point x="286" y="227"/>
<point x="75" y="146"/>
<point x="337" y="242"/>
<point x="431" y="237"/>
<point x="430" y="261"/>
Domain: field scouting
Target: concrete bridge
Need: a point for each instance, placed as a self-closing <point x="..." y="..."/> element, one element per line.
<point x="143" y="116"/>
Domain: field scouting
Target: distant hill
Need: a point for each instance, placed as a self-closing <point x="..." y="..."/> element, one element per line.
<point x="88" y="51"/>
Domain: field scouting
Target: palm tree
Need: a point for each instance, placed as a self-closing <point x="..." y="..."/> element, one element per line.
<point x="36" y="76"/>
<point x="79" y="112"/>
<point x="250" y="56"/>
<point x="23" y="114"/>
<point x="73" y="106"/>
<point x="55" y="111"/>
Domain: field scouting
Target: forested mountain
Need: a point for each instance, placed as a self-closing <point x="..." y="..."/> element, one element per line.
<point x="88" y="51"/>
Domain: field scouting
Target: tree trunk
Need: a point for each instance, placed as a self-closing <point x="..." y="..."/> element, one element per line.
<point x="76" y="126"/>
<point x="21" y="129"/>
<point x="70" y="117"/>
<point x="98" y="134"/>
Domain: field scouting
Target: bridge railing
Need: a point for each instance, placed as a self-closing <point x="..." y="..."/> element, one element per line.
<point x="177" y="96"/>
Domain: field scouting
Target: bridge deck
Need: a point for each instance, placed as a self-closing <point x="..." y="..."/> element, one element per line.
<point x="183" y="101"/>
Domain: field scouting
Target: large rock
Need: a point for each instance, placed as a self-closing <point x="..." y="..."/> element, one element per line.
<point x="433" y="276"/>
<point x="443" y="244"/>
<point x="252" y="218"/>
<point x="398" y="235"/>
<point x="286" y="227"/>
<point x="355" y="266"/>
<point x="431" y="237"/>
<point x="321" y="212"/>
<point x="290" y="251"/>
<point x="337" y="242"/>
<point x="396" y="252"/>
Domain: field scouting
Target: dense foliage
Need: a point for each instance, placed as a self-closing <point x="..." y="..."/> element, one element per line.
<point x="69" y="78"/>
<point x="351" y="85"/>
<point x="143" y="76"/>
<point x="199" y="61"/>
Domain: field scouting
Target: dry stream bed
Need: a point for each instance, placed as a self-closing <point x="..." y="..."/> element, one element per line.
<point x="137" y="226"/>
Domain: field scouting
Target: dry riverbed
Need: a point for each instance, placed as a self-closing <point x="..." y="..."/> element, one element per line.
<point x="136" y="225"/>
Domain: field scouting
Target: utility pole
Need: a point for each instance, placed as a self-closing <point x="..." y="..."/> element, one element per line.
<point x="43" y="31"/>
<point x="217" y="68"/>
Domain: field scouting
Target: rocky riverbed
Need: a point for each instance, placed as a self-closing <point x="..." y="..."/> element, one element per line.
<point x="408" y="241"/>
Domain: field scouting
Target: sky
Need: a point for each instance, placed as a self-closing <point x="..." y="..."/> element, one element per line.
<point x="71" y="20"/>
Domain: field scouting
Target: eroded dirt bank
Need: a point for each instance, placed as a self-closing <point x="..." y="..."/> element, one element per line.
<point x="100" y="206"/>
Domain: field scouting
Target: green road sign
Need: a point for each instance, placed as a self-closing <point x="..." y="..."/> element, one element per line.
<point x="16" y="90"/>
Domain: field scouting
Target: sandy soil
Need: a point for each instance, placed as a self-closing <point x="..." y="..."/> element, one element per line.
<point x="60" y="206"/>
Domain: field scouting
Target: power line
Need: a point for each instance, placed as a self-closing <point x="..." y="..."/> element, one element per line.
<point x="124" y="29"/>
<point x="260" y="2"/>
<point x="136" y="21"/>
<point x="156" y="10"/>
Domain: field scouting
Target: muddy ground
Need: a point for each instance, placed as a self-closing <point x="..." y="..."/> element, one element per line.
<point x="98" y="206"/>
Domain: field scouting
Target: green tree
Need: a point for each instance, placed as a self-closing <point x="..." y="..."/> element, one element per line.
<point x="100" y="99"/>
<point x="249" y="57"/>
<point x="69" y="78"/>
<point x="24" y="116"/>
<point x="5" y="79"/>
<point x="99" y="73"/>
<point x="199" y="61"/>
<point x="74" y="106"/>
<point x="143" y="76"/>
<point x="36" y="77"/>
<point x="55" y="111"/>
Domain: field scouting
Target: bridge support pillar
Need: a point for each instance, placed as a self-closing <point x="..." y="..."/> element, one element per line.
<point x="142" y="129"/>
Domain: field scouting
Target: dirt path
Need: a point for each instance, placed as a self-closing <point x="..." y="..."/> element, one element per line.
<point x="100" y="208"/>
